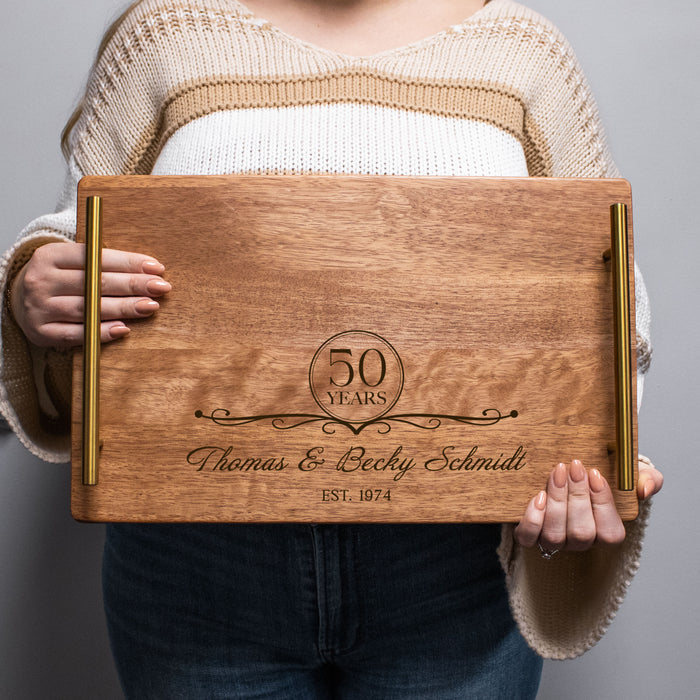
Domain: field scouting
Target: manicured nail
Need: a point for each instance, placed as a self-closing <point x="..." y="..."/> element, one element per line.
<point x="578" y="473"/>
<point x="595" y="479"/>
<point x="146" y="307"/>
<point x="158" y="286"/>
<point x="560" y="475"/>
<point x="648" y="488"/>
<point x="119" y="331"/>
<point x="153" y="267"/>
<point x="541" y="500"/>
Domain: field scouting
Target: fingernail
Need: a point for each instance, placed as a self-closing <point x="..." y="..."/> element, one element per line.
<point x="146" y="307"/>
<point x="578" y="473"/>
<point x="648" y="488"/>
<point x="541" y="500"/>
<point x="560" y="475"/>
<point x="153" y="267"/>
<point x="595" y="479"/>
<point x="119" y="331"/>
<point x="158" y="286"/>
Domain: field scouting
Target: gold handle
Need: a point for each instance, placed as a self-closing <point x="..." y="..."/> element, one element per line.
<point x="623" y="348"/>
<point x="91" y="352"/>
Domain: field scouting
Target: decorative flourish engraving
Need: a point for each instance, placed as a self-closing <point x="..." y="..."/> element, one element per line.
<point x="356" y="377"/>
<point x="289" y="421"/>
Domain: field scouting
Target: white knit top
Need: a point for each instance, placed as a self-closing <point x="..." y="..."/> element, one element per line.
<point x="207" y="87"/>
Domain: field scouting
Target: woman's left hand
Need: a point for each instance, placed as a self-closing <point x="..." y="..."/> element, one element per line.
<point x="578" y="509"/>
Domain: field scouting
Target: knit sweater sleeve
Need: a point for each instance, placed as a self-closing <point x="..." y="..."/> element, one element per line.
<point x="563" y="606"/>
<point x="116" y="134"/>
<point x="35" y="383"/>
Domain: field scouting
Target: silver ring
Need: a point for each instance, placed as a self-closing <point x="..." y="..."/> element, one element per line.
<point x="546" y="553"/>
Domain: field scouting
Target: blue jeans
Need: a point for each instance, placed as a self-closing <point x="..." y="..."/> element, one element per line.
<point x="290" y="612"/>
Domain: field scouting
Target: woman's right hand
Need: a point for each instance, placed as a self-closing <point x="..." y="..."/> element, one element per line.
<point x="47" y="296"/>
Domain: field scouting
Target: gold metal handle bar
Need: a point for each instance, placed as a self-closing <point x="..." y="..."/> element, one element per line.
<point x="91" y="351"/>
<point x="623" y="348"/>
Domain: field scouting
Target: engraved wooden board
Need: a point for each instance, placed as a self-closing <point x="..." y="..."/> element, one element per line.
<point x="355" y="348"/>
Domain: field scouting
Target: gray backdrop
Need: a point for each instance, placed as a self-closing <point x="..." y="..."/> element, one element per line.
<point x="641" y="57"/>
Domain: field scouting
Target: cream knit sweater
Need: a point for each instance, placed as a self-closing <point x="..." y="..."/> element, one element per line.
<point x="206" y="87"/>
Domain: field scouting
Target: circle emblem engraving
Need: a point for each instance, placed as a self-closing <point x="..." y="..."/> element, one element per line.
<point x="356" y="376"/>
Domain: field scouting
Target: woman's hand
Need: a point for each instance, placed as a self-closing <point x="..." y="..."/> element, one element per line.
<point x="650" y="479"/>
<point x="47" y="297"/>
<point x="578" y="509"/>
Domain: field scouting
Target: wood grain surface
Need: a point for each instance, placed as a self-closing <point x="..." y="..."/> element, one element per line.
<point x="355" y="348"/>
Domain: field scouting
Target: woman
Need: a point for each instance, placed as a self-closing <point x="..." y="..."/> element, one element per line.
<point x="212" y="86"/>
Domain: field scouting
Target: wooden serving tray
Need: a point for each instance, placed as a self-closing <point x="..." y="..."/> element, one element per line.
<point x="356" y="349"/>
